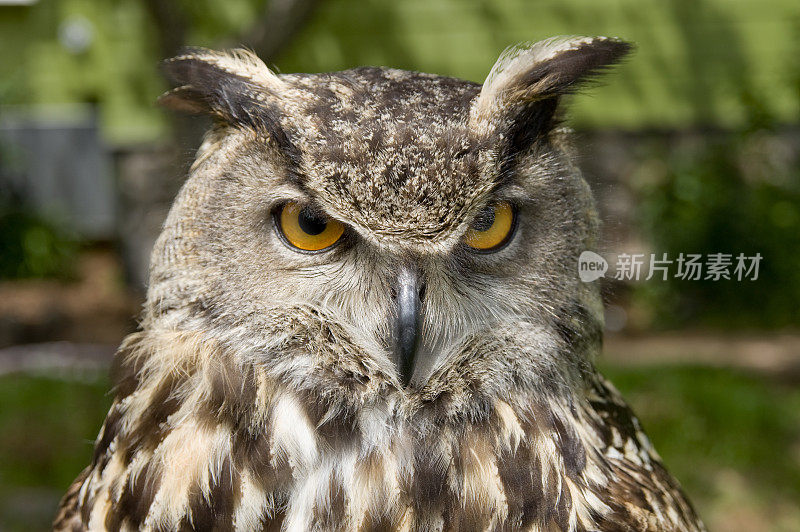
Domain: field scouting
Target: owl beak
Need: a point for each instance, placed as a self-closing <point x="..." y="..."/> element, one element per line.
<point x="408" y="299"/>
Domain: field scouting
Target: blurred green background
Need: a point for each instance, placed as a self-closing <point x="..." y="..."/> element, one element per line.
<point x="691" y="146"/>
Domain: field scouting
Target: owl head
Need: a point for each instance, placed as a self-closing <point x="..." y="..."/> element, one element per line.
<point x="378" y="228"/>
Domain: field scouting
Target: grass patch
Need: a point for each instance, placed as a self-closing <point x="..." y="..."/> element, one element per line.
<point x="47" y="429"/>
<point x="732" y="439"/>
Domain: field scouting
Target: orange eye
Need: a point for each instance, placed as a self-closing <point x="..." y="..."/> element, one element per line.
<point x="306" y="229"/>
<point x="492" y="227"/>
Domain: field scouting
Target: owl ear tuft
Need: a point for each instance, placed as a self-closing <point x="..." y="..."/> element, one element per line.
<point x="522" y="90"/>
<point x="235" y="87"/>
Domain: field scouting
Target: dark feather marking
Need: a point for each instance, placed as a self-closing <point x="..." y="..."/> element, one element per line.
<point x="336" y="426"/>
<point x="567" y="70"/>
<point x="426" y="490"/>
<point x="232" y="395"/>
<point x="150" y="428"/>
<point x="86" y="507"/>
<point x="468" y="520"/>
<point x="215" y="512"/>
<point x="111" y="427"/>
<point x="520" y="474"/>
<point x="613" y="415"/>
<point x="67" y="517"/>
<point x="113" y="522"/>
<point x="136" y="499"/>
<point x="251" y="452"/>
<point x="232" y="98"/>
<point x="612" y="521"/>
<point x="563" y="508"/>
<point x="274" y="524"/>
<point x="529" y="125"/>
<point x="377" y="523"/>
<point x="572" y="450"/>
<point x="333" y="516"/>
<point x="338" y="431"/>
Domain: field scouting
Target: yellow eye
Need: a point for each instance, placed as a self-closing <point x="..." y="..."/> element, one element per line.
<point x="492" y="228"/>
<point x="306" y="229"/>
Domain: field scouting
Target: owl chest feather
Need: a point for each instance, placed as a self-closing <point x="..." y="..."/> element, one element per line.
<point x="201" y="444"/>
<point x="305" y="475"/>
<point x="505" y="473"/>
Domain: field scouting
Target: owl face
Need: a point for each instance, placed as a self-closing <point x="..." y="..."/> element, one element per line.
<point x="421" y="214"/>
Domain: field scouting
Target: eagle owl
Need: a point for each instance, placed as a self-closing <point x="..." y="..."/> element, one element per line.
<point x="364" y="313"/>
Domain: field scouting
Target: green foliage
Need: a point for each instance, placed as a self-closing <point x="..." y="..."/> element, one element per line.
<point x="693" y="58"/>
<point x="47" y="426"/>
<point x="728" y="197"/>
<point x="32" y="246"/>
<point x="210" y="22"/>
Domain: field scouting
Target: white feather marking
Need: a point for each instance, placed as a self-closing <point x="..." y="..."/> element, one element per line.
<point x="252" y="505"/>
<point x="482" y="487"/>
<point x="584" y="502"/>
<point x="511" y="432"/>
<point x="293" y="436"/>
<point x="97" y="519"/>
<point x="189" y="455"/>
<point x="374" y="423"/>
<point x="310" y="493"/>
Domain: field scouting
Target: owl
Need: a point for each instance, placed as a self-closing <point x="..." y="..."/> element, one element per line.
<point x="364" y="313"/>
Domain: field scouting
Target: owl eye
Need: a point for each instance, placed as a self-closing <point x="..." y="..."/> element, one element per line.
<point x="306" y="229"/>
<point x="492" y="228"/>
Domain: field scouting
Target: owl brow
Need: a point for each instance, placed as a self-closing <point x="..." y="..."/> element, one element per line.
<point x="294" y="178"/>
<point x="508" y="192"/>
<point x="506" y="184"/>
